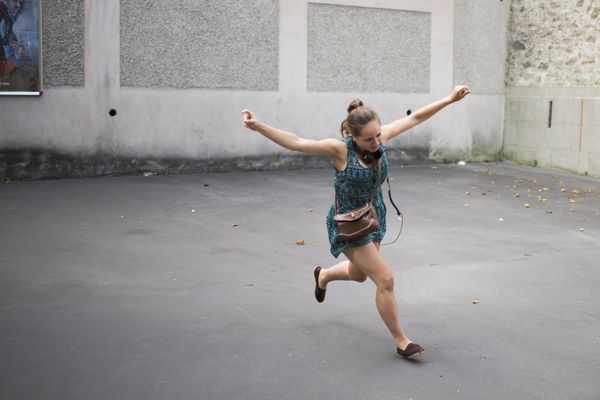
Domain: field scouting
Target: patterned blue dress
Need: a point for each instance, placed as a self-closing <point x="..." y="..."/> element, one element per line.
<point x="353" y="188"/>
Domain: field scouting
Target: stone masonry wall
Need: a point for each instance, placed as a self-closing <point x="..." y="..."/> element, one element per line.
<point x="554" y="43"/>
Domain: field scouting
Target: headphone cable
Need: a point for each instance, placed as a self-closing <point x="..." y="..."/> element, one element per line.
<point x="398" y="212"/>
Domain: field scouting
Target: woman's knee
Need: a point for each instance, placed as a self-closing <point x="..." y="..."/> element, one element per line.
<point x="385" y="283"/>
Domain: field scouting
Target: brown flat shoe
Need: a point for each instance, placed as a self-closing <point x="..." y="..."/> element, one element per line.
<point x="413" y="350"/>
<point x="319" y="293"/>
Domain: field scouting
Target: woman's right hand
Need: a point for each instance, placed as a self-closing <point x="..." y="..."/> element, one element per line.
<point x="248" y="120"/>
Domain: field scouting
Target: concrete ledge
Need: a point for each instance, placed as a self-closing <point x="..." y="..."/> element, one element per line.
<point x="48" y="164"/>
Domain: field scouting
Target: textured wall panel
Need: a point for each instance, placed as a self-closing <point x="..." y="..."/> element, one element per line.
<point x="368" y="49"/>
<point x="63" y="39"/>
<point x="200" y="44"/>
<point x="554" y="43"/>
<point x="480" y="45"/>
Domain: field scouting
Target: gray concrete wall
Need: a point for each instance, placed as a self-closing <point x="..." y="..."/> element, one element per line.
<point x="554" y="56"/>
<point x="345" y="54"/>
<point x="207" y="44"/>
<point x="63" y="42"/>
<point x="480" y="48"/>
<point x="178" y="75"/>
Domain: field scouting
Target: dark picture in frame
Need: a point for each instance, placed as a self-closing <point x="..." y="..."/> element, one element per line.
<point x="20" y="69"/>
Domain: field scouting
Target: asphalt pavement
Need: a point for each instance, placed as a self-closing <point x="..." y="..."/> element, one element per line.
<point x="200" y="287"/>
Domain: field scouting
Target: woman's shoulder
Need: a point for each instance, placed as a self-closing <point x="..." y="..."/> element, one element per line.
<point x="347" y="140"/>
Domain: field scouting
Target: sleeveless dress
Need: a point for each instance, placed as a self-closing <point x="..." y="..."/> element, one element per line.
<point x="353" y="187"/>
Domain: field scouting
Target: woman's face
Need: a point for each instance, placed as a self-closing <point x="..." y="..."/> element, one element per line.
<point x="370" y="137"/>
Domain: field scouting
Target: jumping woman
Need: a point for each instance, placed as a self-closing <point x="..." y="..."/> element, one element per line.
<point x="360" y="162"/>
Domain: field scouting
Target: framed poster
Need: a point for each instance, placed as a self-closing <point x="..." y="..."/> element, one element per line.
<point x="20" y="63"/>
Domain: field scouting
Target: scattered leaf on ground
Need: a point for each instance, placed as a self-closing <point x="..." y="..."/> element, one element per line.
<point x="475" y="301"/>
<point x="300" y="242"/>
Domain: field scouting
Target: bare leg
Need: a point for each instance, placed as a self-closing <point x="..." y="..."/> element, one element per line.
<point x="368" y="260"/>
<point x="343" y="271"/>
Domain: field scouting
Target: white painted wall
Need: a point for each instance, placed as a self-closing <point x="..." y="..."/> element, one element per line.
<point x="206" y="123"/>
<point x="571" y="141"/>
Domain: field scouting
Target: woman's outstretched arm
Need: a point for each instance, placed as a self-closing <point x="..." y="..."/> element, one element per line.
<point x="333" y="148"/>
<point x="401" y="125"/>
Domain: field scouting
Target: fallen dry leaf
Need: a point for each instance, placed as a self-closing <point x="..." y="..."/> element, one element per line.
<point x="300" y="242"/>
<point x="475" y="301"/>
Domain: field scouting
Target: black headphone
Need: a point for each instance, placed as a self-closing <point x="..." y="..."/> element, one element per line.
<point x="366" y="156"/>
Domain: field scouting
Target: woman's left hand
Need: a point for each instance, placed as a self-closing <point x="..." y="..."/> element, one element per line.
<point x="459" y="93"/>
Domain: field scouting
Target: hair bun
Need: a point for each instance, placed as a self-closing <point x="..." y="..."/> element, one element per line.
<point x="355" y="104"/>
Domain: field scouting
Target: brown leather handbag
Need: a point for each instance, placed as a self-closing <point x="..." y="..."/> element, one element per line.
<point x="358" y="223"/>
